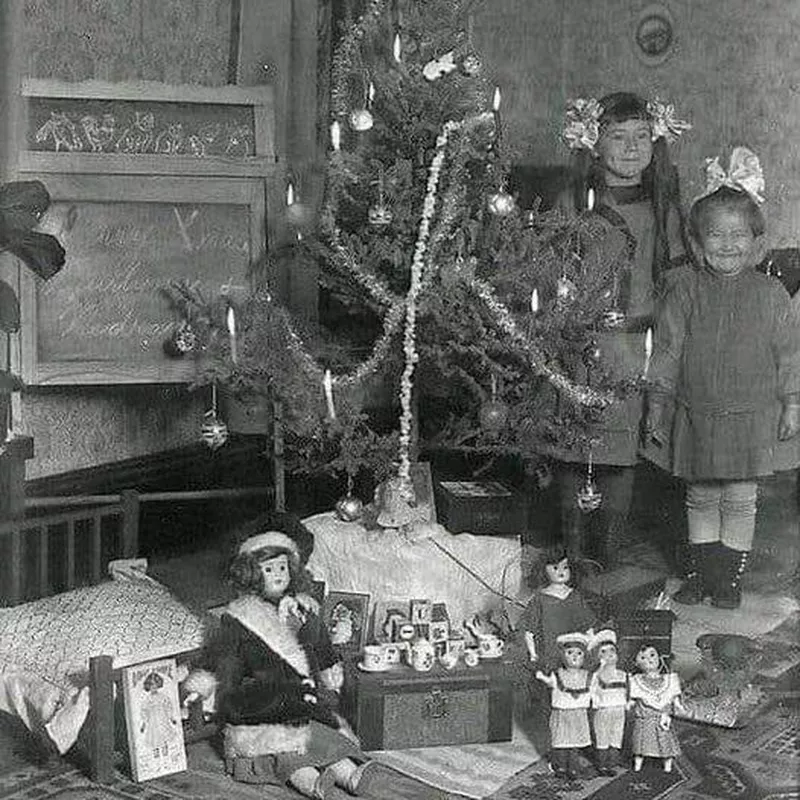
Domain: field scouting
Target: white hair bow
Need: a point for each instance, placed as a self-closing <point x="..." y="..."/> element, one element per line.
<point x="744" y="174"/>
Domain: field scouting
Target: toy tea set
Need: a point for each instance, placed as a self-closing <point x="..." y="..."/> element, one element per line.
<point x="422" y="636"/>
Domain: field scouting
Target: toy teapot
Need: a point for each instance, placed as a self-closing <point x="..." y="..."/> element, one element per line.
<point x="423" y="655"/>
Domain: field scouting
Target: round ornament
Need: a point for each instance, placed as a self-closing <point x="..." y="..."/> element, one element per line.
<point x="566" y="289"/>
<point x="214" y="431"/>
<point x="591" y="354"/>
<point x="493" y="416"/>
<point x="361" y="120"/>
<point x="501" y="204"/>
<point x="471" y="64"/>
<point x="589" y="498"/>
<point x="380" y="215"/>
<point x="349" y="508"/>
<point x="184" y="338"/>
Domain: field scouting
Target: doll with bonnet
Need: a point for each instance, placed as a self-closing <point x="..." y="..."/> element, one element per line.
<point x="277" y="671"/>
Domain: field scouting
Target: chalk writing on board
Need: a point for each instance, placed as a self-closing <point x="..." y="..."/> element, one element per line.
<point x="108" y="304"/>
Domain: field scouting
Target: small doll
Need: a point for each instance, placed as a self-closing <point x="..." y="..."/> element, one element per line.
<point x="569" y="705"/>
<point x="654" y="693"/>
<point x="609" y="692"/>
<point x="556" y="607"/>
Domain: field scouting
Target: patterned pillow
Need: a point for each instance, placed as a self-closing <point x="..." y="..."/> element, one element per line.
<point x="132" y="621"/>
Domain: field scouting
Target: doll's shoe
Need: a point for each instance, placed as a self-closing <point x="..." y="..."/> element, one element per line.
<point x="323" y="785"/>
<point x="352" y="784"/>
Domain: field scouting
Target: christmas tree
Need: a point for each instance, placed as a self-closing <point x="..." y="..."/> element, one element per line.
<point x="481" y="313"/>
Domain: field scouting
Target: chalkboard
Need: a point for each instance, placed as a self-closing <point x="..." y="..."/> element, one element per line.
<point x="104" y="317"/>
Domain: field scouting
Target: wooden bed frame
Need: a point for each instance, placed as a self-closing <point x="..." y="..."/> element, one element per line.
<point x="87" y="517"/>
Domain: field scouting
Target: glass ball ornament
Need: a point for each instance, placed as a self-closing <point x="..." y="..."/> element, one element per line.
<point x="493" y="416"/>
<point x="349" y="508"/>
<point x="501" y="204"/>
<point x="471" y="64"/>
<point x="185" y="338"/>
<point x="565" y="290"/>
<point x="361" y="120"/>
<point x="214" y="431"/>
<point x="614" y="318"/>
<point x="380" y="215"/>
<point x="588" y="497"/>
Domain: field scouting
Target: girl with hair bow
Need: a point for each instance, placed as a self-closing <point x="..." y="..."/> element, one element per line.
<point x="724" y="400"/>
<point x="622" y="173"/>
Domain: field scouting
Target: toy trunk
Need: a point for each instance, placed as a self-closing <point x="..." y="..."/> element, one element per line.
<point x="481" y="507"/>
<point x="643" y="626"/>
<point x="616" y="592"/>
<point x="401" y="708"/>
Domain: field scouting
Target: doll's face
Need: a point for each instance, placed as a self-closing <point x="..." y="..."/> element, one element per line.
<point x="728" y="242"/>
<point x="276" y="575"/>
<point x="648" y="660"/>
<point x="607" y="654"/>
<point x="625" y="150"/>
<point x="573" y="656"/>
<point x="558" y="573"/>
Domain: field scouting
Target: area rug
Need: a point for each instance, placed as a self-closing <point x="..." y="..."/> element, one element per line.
<point x="473" y="770"/>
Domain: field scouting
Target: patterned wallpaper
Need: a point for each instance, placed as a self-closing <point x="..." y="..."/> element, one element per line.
<point x="175" y="41"/>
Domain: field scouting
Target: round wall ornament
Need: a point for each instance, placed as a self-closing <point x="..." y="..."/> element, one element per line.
<point x="654" y="34"/>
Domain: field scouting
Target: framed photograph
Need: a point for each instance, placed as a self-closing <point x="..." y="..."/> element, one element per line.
<point x="346" y="616"/>
<point x="384" y="615"/>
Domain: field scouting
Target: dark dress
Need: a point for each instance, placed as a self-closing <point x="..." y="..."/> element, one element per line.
<point x="272" y="672"/>
<point x="727" y="350"/>
<point x="548" y="617"/>
<point x="626" y="237"/>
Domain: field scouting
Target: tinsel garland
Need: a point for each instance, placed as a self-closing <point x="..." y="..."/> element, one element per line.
<point x="409" y="334"/>
<point x="578" y="393"/>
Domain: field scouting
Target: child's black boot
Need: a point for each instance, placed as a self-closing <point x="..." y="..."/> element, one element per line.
<point x="728" y="589"/>
<point x="698" y="582"/>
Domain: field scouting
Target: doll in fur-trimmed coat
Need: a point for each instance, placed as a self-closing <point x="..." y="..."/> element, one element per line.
<point x="276" y="671"/>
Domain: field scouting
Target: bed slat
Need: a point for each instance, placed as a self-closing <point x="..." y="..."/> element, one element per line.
<point x="44" y="561"/>
<point x="70" y="560"/>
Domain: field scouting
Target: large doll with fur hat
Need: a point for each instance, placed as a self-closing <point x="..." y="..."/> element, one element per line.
<point x="277" y="670"/>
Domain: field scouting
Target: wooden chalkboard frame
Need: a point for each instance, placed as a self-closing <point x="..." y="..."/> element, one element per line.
<point x="37" y="370"/>
<point x="259" y="98"/>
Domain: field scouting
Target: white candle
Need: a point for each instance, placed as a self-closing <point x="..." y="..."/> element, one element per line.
<point x="231" y="320"/>
<point x="535" y="301"/>
<point x="371" y="92"/>
<point x="290" y="194"/>
<point x="496" y="101"/>
<point x="396" y="48"/>
<point x="336" y="135"/>
<point x="590" y="200"/>
<point x="327" y="383"/>
<point x="648" y="350"/>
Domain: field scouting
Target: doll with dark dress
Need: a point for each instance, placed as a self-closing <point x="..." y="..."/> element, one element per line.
<point x="555" y="608"/>
<point x="275" y="662"/>
<point x="569" y="704"/>
<point x="655" y="692"/>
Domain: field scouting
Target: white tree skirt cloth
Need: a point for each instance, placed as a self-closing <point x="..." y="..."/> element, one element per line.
<point x="389" y="565"/>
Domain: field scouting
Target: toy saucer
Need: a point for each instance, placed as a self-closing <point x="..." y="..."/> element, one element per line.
<point x="364" y="668"/>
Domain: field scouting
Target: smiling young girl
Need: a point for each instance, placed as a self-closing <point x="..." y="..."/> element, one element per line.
<point x="725" y="379"/>
<point x="620" y="154"/>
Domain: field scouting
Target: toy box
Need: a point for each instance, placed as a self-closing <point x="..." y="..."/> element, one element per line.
<point x="480" y="507"/>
